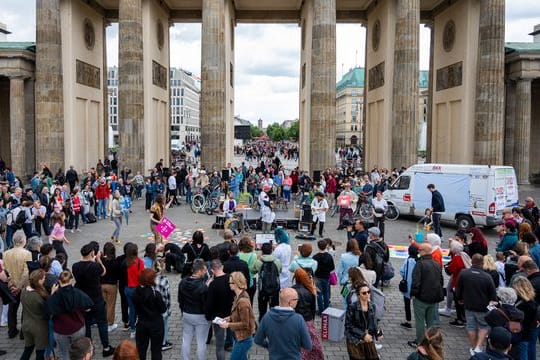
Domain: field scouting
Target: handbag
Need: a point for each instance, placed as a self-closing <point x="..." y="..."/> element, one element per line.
<point x="333" y="280"/>
<point x="344" y="290"/>
<point x="403" y="285"/>
<point x="362" y="350"/>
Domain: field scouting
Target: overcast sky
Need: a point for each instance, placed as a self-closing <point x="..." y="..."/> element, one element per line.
<point x="267" y="56"/>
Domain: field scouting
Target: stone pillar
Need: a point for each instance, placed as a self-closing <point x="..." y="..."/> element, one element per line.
<point x="510" y="121"/>
<point x="49" y="86"/>
<point x="213" y="115"/>
<point x="130" y="86"/>
<point x="17" y="126"/>
<point x="522" y="130"/>
<point x="323" y="86"/>
<point x="489" y="113"/>
<point x="105" y="93"/>
<point x="405" y="87"/>
<point x="430" y="90"/>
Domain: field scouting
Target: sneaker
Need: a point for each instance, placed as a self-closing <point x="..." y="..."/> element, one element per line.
<point x="412" y="344"/>
<point x="406" y="325"/>
<point x="445" y="312"/>
<point x="108" y="351"/>
<point x="132" y="335"/>
<point x="3" y="324"/>
<point x="72" y="231"/>
<point x="126" y="327"/>
<point x="378" y="346"/>
<point x="112" y="327"/>
<point x="166" y="346"/>
<point x="78" y="230"/>
<point x="477" y="350"/>
<point x="457" y="323"/>
<point x="471" y="351"/>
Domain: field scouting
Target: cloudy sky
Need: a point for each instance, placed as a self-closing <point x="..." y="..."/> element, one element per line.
<point x="267" y="56"/>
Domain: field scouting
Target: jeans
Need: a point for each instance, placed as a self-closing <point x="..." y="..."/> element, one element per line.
<point x="138" y="191"/>
<point x="436" y="218"/>
<point x="194" y="324"/>
<point x="129" y="291"/>
<point x="264" y="300"/>
<point x="241" y="349"/>
<point x="527" y="349"/>
<point x="42" y="223"/>
<point x="323" y="294"/>
<point x="123" y="303"/>
<point x="64" y="342"/>
<point x="188" y="195"/>
<point x="9" y="236"/>
<point x="27" y="353"/>
<point x="73" y="220"/>
<point x="219" y="335"/>
<point x="58" y="246"/>
<point x="165" y="328"/>
<point x="98" y="313"/>
<point x="118" y="223"/>
<point x="102" y="208"/>
<point x="407" y="303"/>
<point x="149" y="331"/>
<point x="423" y="318"/>
<point x="12" y="315"/>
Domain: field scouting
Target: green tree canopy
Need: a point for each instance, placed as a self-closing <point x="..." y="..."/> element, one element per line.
<point x="255" y="131"/>
<point x="294" y="131"/>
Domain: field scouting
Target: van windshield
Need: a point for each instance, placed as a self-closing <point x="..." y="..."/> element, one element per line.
<point x="402" y="183"/>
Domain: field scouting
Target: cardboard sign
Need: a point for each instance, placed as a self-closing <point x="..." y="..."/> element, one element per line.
<point x="344" y="200"/>
<point x="165" y="227"/>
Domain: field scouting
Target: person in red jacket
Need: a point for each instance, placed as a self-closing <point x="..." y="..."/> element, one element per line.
<point x="102" y="194"/>
<point x="460" y="260"/>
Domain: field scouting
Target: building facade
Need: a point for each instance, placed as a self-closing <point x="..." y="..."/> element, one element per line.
<point x="350" y="108"/>
<point x="184" y="107"/>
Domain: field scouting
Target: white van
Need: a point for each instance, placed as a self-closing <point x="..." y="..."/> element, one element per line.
<point x="473" y="194"/>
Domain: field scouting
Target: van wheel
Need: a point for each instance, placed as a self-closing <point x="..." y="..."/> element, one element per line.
<point x="464" y="222"/>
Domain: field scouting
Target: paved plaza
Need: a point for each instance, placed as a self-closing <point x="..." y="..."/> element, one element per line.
<point x="395" y="338"/>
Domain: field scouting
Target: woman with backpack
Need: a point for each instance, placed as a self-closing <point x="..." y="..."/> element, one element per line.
<point x="406" y="272"/>
<point x="306" y="306"/>
<point x="196" y="249"/>
<point x="347" y="260"/>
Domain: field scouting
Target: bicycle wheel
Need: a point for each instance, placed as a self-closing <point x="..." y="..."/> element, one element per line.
<point x="365" y="211"/>
<point x="333" y="211"/>
<point x="392" y="213"/>
<point x="197" y="203"/>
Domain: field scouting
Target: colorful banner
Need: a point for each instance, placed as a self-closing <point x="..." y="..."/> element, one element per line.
<point x="402" y="252"/>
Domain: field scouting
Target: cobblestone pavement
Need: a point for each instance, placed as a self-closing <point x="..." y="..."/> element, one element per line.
<point x="395" y="337"/>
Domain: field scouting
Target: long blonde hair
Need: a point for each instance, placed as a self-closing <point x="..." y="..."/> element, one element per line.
<point x="523" y="288"/>
<point x="489" y="263"/>
<point x="432" y="343"/>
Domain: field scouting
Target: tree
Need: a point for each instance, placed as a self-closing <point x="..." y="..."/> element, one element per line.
<point x="294" y="130"/>
<point x="255" y="131"/>
<point x="275" y="132"/>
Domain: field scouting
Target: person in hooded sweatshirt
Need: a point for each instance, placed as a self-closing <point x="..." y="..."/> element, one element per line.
<point x="282" y="331"/>
<point x="192" y="295"/>
<point x="149" y="306"/>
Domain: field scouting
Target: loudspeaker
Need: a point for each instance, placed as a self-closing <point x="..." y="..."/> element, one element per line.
<point x="225" y="175"/>
<point x="306" y="213"/>
<point x="316" y="176"/>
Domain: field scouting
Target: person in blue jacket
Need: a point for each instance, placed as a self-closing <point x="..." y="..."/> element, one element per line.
<point x="406" y="273"/>
<point x="509" y="238"/>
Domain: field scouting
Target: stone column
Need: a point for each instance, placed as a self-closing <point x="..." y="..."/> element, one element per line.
<point x="213" y="115"/>
<point x="130" y="86"/>
<point x="405" y="88"/>
<point x="522" y="130"/>
<point x="105" y="93"/>
<point x="510" y="121"/>
<point x="17" y="126"/>
<point x="323" y="86"/>
<point x="430" y="91"/>
<point x="49" y="86"/>
<point x="489" y="113"/>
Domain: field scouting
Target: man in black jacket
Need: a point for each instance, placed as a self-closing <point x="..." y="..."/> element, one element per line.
<point x="359" y="233"/>
<point x="426" y="291"/>
<point x="476" y="290"/>
<point x="437" y="207"/>
<point x="533" y="274"/>
<point x="234" y="263"/>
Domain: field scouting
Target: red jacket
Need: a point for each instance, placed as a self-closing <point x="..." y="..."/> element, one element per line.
<point x="454" y="267"/>
<point x="331" y="185"/>
<point x="102" y="192"/>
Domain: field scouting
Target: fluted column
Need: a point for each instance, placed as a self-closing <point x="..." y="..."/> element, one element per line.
<point x="510" y="121"/>
<point x="130" y="85"/>
<point x="49" y="85"/>
<point x="323" y="86"/>
<point x="213" y="93"/>
<point x="429" y="129"/>
<point x="522" y="130"/>
<point x="489" y="114"/>
<point x="17" y="126"/>
<point x="405" y="86"/>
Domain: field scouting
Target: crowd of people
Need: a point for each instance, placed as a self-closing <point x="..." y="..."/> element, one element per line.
<point x="494" y="293"/>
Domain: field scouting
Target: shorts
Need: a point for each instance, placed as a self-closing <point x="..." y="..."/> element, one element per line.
<point x="475" y="320"/>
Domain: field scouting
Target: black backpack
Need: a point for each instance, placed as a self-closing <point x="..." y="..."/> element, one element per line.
<point x="20" y="219"/>
<point x="269" y="279"/>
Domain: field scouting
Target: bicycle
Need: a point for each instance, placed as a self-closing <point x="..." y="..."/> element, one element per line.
<point x="237" y="224"/>
<point x="366" y="209"/>
<point x="205" y="200"/>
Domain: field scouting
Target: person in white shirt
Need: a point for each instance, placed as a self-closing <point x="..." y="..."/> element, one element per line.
<point x="39" y="214"/>
<point x="379" y="209"/>
<point x="171" y="184"/>
<point x="319" y="207"/>
<point x="229" y="205"/>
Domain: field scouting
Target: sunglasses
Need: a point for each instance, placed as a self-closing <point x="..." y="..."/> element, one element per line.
<point x="365" y="292"/>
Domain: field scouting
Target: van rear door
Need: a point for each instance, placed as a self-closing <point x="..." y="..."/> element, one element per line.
<point x="506" y="191"/>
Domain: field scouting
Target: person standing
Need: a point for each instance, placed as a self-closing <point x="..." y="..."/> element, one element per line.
<point x="241" y="321"/>
<point x="157" y="212"/>
<point x="476" y="290"/>
<point x="87" y="274"/>
<point x="109" y="282"/>
<point x="282" y="331"/>
<point x="325" y="266"/>
<point x="359" y="233"/>
<point x="437" y="207"/>
<point x="172" y="188"/>
<point x="218" y="304"/>
<point x="319" y="207"/>
<point x="426" y="291"/>
<point x="379" y="209"/>
<point x="269" y="269"/>
<point x="283" y="253"/>
<point x="149" y="306"/>
<point x="134" y="267"/>
<point x="347" y="200"/>
<point x="116" y="216"/>
<point x="34" y="326"/>
<point x="192" y="295"/>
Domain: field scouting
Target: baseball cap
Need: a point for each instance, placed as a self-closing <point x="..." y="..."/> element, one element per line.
<point x="374" y="231"/>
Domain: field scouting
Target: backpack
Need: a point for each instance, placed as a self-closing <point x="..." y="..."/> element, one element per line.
<point x="514" y="326"/>
<point x="379" y="257"/>
<point x="20" y="219"/>
<point x="269" y="279"/>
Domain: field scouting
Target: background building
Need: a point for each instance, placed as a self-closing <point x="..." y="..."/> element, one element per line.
<point x="350" y="108"/>
<point x="184" y="102"/>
